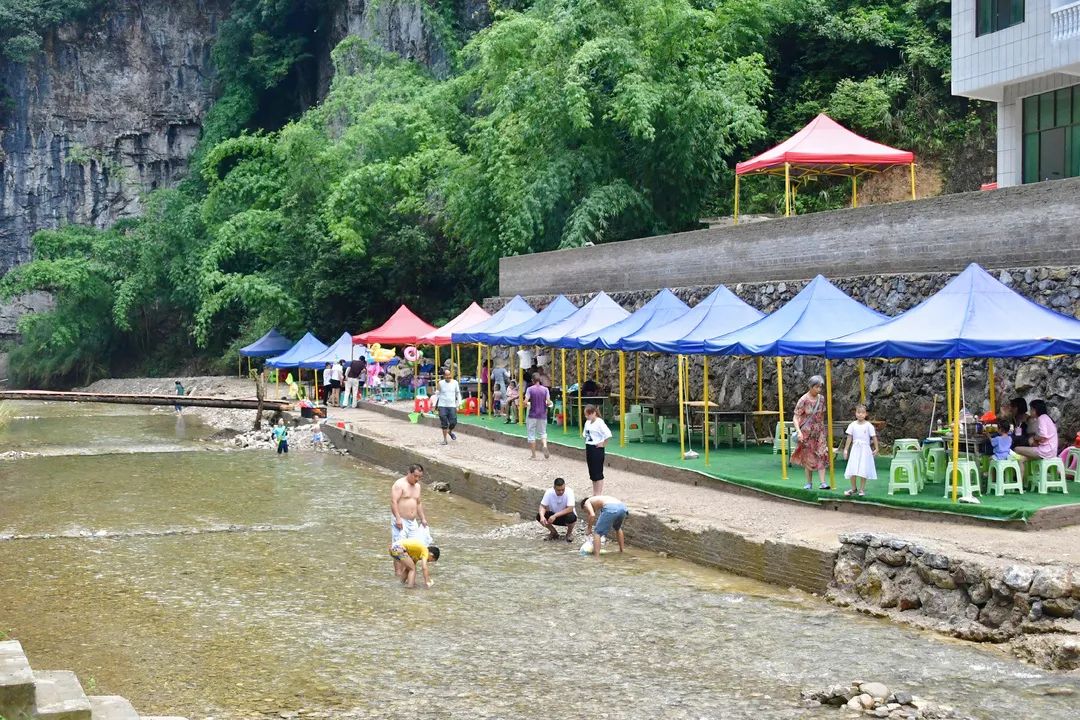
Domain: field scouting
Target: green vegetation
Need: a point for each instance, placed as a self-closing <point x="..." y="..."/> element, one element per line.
<point x="565" y="122"/>
<point x="22" y="23"/>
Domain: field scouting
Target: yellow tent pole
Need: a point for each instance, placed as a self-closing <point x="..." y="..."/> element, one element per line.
<point x="783" y="428"/>
<point x="479" y="364"/>
<point x="956" y="431"/>
<point x="597" y="368"/>
<point x="760" y="385"/>
<point x="565" y="410"/>
<point x="682" y="433"/>
<point x="637" y="377"/>
<point x="862" y="381"/>
<point x="705" y="392"/>
<point x="577" y="367"/>
<point x="828" y="418"/>
<point x="239" y="371"/>
<point x="993" y="390"/>
<point x="438" y="367"/>
<point x="912" y="181"/>
<point x="948" y="389"/>
<point x="736" y="199"/>
<point x="521" y="391"/>
<point x="491" y="398"/>
<point x="854" y="192"/>
<point x="622" y="399"/>
<point x="586" y="373"/>
<point x="787" y="189"/>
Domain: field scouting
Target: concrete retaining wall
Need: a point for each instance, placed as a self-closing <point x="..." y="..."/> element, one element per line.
<point x="1029" y="225"/>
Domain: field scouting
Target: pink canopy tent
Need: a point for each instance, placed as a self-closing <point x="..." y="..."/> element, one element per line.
<point x="472" y="315"/>
<point x="823" y="147"/>
<point x="403" y="328"/>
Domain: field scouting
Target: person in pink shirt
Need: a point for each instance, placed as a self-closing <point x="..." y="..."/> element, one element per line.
<point x="1044" y="441"/>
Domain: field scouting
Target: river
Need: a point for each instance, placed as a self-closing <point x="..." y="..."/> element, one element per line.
<point x="202" y="582"/>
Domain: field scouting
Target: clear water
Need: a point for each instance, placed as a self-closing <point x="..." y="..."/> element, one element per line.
<point x="240" y="584"/>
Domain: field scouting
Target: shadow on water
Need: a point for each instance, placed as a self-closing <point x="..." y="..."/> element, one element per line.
<point x="241" y="584"/>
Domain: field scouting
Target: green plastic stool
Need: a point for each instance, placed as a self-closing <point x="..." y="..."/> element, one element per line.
<point x="968" y="483"/>
<point x="1072" y="463"/>
<point x="997" y="477"/>
<point x="634" y="425"/>
<point x="936" y="460"/>
<point x="904" y="474"/>
<point x="668" y="429"/>
<point x="1039" y="475"/>
<point x="905" y="444"/>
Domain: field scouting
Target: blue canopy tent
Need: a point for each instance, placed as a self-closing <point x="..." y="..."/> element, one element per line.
<point x="721" y="312"/>
<point x="662" y="309"/>
<point x="512" y="313"/>
<point x="272" y="343"/>
<point x="304" y="348"/>
<point x="340" y="350"/>
<point x="819" y="312"/>
<point x="973" y="316"/>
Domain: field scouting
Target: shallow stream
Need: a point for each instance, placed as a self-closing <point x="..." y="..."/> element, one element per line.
<point x="207" y="583"/>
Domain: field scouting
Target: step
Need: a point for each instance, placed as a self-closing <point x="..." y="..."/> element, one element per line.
<point x="60" y="696"/>
<point x="16" y="680"/>
<point x="111" y="707"/>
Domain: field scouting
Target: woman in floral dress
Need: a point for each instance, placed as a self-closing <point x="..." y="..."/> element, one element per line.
<point x="813" y="449"/>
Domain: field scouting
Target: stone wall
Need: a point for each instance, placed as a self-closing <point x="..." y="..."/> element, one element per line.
<point x="901" y="393"/>
<point x="1037" y="609"/>
<point x="1029" y="225"/>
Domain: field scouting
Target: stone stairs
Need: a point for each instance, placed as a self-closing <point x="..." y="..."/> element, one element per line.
<point x="27" y="694"/>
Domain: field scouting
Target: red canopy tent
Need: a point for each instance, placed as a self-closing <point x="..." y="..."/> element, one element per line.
<point x="823" y="147"/>
<point x="472" y="315"/>
<point x="403" y="328"/>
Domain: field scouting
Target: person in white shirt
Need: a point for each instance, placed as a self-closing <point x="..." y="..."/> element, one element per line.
<point x="596" y="434"/>
<point x="557" y="509"/>
<point x="448" y="398"/>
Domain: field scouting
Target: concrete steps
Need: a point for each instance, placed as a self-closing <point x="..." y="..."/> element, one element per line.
<point x="53" y="695"/>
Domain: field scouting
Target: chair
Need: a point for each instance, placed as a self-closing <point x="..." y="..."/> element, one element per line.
<point x="791" y="437"/>
<point x="905" y="444"/>
<point x="1038" y="475"/>
<point x="1072" y="462"/>
<point x="905" y="474"/>
<point x="668" y="429"/>
<point x="421" y="391"/>
<point x="936" y="460"/>
<point x="997" y="477"/>
<point x="633" y="424"/>
<point x="968" y="482"/>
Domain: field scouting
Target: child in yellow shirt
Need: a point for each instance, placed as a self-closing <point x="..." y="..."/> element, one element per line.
<point x="409" y="553"/>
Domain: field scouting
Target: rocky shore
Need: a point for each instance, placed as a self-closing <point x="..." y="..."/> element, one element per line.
<point x="874" y="699"/>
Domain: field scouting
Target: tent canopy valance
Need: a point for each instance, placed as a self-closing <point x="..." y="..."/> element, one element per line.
<point x="973" y="316"/>
<point x="270" y="344"/>
<point x="304" y="348"/>
<point x="403" y="328"/>
<point x="469" y="318"/>
<point x="512" y="313"/>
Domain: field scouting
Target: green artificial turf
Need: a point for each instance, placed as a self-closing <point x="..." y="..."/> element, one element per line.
<point x="759" y="468"/>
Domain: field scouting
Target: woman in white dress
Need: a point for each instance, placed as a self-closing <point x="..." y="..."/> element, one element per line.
<point x="862" y="446"/>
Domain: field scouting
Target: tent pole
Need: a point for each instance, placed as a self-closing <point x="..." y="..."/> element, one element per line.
<point x="682" y="436"/>
<point x="862" y="381"/>
<point x="736" y="199"/>
<point x="599" y="355"/>
<point x="912" y="181"/>
<point x="780" y="406"/>
<point x="637" y="378"/>
<point x="787" y="189"/>
<point x="565" y="410"/>
<point x="956" y="432"/>
<point x="586" y="373"/>
<point x="577" y="368"/>
<point x="239" y="372"/>
<point x="760" y="385"/>
<point x="521" y="391"/>
<point x="622" y="399"/>
<point x="491" y="398"/>
<point x="479" y="362"/>
<point x="993" y="390"/>
<point x="705" y="393"/>
<point x="438" y="367"/>
<point x="854" y="191"/>
<point x="828" y="418"/>
<point x="948" y="389"/>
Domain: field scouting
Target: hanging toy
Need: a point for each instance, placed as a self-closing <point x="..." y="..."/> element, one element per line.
<point x="412" y="354"/>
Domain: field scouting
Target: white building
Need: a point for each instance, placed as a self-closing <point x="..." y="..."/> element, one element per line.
<point x="1025" y="56"/>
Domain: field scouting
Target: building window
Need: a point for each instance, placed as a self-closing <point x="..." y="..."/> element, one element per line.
<point x="994" y="15"/>
<point x="1051" y="129"/>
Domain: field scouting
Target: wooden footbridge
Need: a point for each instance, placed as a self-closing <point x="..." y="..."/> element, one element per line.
<point x="132" y="399"/>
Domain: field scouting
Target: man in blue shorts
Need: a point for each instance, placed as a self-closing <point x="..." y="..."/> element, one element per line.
<point x="605" y="514"/>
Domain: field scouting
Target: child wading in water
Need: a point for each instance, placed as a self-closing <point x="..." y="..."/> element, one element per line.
<point x="862" y="446"/>
<point x="281" y="437"/>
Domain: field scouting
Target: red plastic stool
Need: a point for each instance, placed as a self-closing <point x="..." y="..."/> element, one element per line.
<point x="472" y="407"/>
<point x="421" y="405"/>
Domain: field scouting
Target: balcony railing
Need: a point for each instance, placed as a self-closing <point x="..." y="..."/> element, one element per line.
<point x="1065" y="21"/>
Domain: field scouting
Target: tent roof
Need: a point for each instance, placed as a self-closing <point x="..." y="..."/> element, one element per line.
<point x="403" y="328"/>
<point x="559" y="309"/>
<point x="272" y="343"/>
<point x="721" y="312"/>
<point x="820" y="312"/>
<point x="512" y="313"/>
<point x="662" y="309"/>
<point x="597" y="314"/>
<point x="342" y="349"/>
<point x="304" y="348"/>
<point x="469" y="317"/>
<point x="821" y="146"/>
<point x="974" y="315"/>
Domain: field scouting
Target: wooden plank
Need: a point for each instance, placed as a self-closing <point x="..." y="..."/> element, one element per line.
<point x="133" y="399"/>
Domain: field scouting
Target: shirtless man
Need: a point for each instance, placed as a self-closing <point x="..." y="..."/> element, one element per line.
<point x="407" y="517"/>
<point x="605" y="514"/>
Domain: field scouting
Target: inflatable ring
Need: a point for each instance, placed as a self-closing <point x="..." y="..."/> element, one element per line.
<point x="412" y="354"/>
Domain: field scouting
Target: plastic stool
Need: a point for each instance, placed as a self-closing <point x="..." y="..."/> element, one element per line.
<point x="668" y="429"/>
<point x="936" y="460"/>
<point x="905" y="444"/>
<point x="968" y="483"/>
<point x="997" y="477"/>
<point x="1039" y="475"/>
<point x="904" y="474"/>
<point x="1072" y="462"/>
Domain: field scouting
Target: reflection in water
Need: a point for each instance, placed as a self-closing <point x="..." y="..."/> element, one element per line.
<point x="237" y="584"/>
